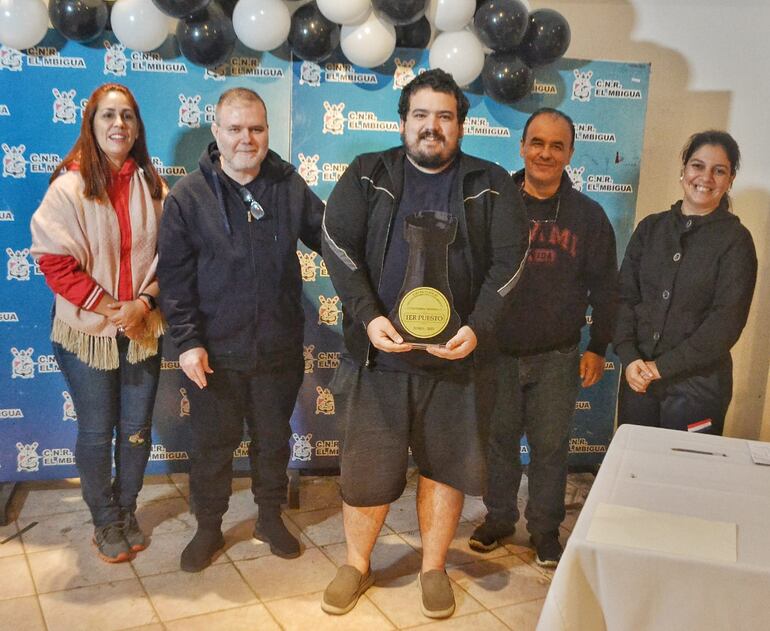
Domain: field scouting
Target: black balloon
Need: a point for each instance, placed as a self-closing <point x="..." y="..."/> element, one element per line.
<point x="228" y="6"/>
<point x="110" y="4"/>
<point x="506" y="78"/>
<point x="181" y="8"/>
<point x="312" y="36"/>
<point x="415" y="35"/>
<point x="207" y="38"/>
<point x="78" y="20"/>
<point x="547" y="38"/>
<point x="400" y="12"/>
<point x="501" y="24"/>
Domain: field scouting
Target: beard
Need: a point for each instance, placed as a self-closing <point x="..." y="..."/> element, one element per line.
<point x="430" y="159"/>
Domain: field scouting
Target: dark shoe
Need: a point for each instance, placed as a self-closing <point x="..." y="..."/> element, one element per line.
<point x="343" y="592"/>
<point x="438" y="599"/>
<point x="201" y="550"/>
<point x="110" y="544"/>
<point x="548" y="548"/>
<point x="271" y="529"/>
<point x="488" y="536"/>
<point x="132" y="533"/>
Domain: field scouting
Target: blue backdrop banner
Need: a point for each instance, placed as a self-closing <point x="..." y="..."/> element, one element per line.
<point x="321" y="117"/>
<point x="44" y="92"/>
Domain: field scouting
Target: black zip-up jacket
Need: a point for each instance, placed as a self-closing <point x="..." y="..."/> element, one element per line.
<point x="572" y="263"/>
<point x="230" y="285"/>
<point x="359" y="216"/>
<point x="686" y="285"/>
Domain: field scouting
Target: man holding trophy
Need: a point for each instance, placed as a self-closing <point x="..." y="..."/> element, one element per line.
<point x="424" y="245"/>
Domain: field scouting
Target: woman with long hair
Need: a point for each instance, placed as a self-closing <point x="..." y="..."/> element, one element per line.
<point x="94" y="236"/>
<point x="686" y="286"/>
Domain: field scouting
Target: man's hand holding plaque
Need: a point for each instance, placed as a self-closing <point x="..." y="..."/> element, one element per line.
<point x="460" y="346"/>
<point x="384" y="337"/>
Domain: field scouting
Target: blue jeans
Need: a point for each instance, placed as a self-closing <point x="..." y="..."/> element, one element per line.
<point x="111" y="403"/>
<point x="535" y="396"/>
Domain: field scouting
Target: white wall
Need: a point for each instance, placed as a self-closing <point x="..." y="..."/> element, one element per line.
<point x="709" y="70"/>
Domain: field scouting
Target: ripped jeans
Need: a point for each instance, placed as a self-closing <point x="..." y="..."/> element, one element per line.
<point x="111" y="403"/>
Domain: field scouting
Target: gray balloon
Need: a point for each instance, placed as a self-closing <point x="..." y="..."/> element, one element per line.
<point x="78" y="20"/>
<point x="506" y="77"/>
<point x="207" y="38"/>
<point x="400" y="12"/>
<point x="501" y="24"/>
<point x="181" y="8"/>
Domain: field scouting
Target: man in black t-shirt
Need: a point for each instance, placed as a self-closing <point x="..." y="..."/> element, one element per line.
<point x="571" y="265"/>
<point x="390" y="396"/>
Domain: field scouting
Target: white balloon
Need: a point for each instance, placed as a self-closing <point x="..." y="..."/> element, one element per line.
<point x="345" y="12"/>
<point x="450" y="15"/>
<point x="460" y="53"/>
<point x="23" y="23"/>
<point x="139" y="24"/>
<point x="369" y="43"/>
<point x="261" y="24"/>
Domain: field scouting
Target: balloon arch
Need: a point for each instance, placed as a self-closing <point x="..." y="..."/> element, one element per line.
<point x="500" y="40"/>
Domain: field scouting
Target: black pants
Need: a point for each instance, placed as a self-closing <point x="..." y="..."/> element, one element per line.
<point x="695" y="403"/>
<point x="265" y="400"/>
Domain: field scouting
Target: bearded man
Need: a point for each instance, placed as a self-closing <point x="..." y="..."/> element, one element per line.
<point x="393" y="395"/>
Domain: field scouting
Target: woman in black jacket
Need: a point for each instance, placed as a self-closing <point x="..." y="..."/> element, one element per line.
<point x="686" y="285"/>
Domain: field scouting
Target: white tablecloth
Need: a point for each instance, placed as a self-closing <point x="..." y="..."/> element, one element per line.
<point x="599" y="586"/>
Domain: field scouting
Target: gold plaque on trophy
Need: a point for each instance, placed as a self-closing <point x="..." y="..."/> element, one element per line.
<point x="424" y="312"/>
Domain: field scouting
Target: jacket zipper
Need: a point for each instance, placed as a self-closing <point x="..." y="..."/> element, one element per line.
<point x="379" y="280"/>
<point x="256" y="278"/>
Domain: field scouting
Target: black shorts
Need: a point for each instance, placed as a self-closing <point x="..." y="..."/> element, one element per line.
<point x="382" y="414"/>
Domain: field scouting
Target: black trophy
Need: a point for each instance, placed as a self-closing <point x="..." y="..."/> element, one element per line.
<point x="424" y="313"/>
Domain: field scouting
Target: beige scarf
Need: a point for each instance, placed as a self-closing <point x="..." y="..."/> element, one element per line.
<point x="66" y="223"/>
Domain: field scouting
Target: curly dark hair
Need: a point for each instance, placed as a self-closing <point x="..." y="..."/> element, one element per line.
<point x="439" y="81"/>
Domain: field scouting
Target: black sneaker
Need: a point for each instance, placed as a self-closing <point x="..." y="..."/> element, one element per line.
<point x="132" y="533"/>
<point x="487" y="537"/>
<point x="548" y="548"/>
<point x="201" y="550"/>
<point x="111" y="545"/>
<point x="271" y="529"/>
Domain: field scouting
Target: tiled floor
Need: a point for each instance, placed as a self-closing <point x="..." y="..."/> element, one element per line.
<point x="51" y="579"/>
